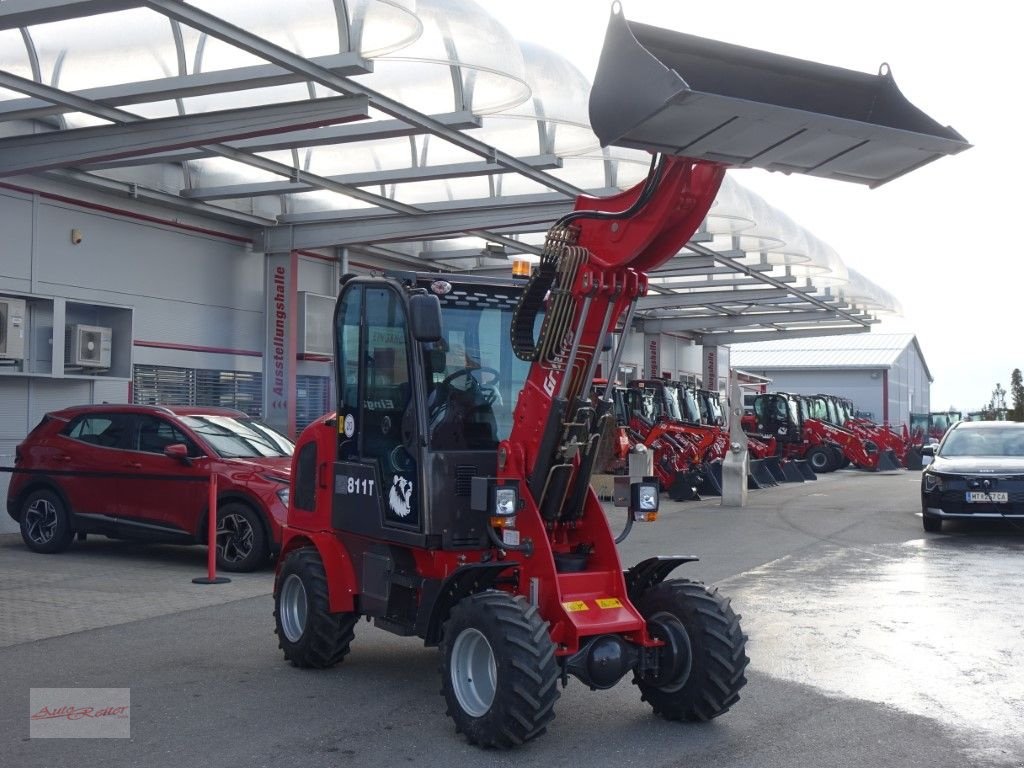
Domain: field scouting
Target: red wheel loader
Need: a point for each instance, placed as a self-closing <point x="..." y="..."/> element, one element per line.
<point x="448" y="498"/>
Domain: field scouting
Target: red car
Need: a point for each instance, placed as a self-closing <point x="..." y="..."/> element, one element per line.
<point x="142" y="472"/>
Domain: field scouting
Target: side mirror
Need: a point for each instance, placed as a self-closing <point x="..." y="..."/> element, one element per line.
<point x="425" y="317"/>
<point x="179" y="452"/>
<point x="928" y="450"/>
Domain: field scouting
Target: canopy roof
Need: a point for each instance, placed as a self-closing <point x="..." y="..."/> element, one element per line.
<point x="397" y="133"/>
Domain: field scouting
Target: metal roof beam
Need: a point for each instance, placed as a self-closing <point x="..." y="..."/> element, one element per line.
<point x="314" y="137"/>
<point x="713" y="283"/>
<point x="744" y="320"/>
<point x="38" y="152"/>
<point x="182" y="86"/>
<point x="723" y="339"/>
<point x="163" y="199"/>
<point x="266" y="50"/>
<point x="25" y="13"/>
<point x="368" y="226"/>
<point x="708" y="298"/>
<point x="396" y="176"/>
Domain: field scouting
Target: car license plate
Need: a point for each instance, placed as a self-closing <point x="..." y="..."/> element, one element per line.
<point x="992" y="497"/>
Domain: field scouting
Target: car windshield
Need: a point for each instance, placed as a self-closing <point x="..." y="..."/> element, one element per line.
<point x="237" y="438"/>
<point x="994" y="441"/>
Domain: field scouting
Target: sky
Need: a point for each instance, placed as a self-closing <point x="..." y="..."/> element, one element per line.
<point x="943" y="239"/>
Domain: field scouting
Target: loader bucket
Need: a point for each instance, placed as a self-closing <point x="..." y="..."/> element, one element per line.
<point x="791" y="473"/>
<point x="686" y="486"/>
<point x="805" y="470"/>
<point x="914" y="458"/>
<point x="887" y="461"/>
<point x="774" y="465"/>
<point x="669" y="92"/>
<point x="712" y="472"/>
<point x="761" y="474"/>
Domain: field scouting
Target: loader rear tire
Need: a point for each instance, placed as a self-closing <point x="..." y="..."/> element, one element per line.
<point x="821" y="460"/>
<point x="499" y="676"/>
<point x="308" y="633"/>
<point x="708" y="682"/>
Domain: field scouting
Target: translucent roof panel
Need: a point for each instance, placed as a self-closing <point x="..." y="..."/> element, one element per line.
<point x="313" y="27"/>
<point x="13" y="59"/>
<point x="463" y="60"/>
<point x="555" y="119"/>
<point x="94" y="50"/>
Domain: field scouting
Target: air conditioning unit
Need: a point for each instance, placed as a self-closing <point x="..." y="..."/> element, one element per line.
<point x="12" y="328"/>
<point x="316" y="324"/>
<point x="87" y="346"/>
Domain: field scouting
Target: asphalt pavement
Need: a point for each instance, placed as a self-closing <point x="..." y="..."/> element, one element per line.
<point x="871" y="644"/>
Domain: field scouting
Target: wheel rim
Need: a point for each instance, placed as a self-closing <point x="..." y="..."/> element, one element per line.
<point x="234" y="538"/>
<point x="41" y="521"/>
<point x="670" y="624"/>
<point x="819" y="460"/>
<point x="292" y="608"/>
<point x="474" y="673"/>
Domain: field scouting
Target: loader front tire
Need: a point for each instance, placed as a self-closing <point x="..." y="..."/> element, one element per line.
<point x="308" y="633"/>
<point x="707" y="681"/>
<point x="499" y="676"/>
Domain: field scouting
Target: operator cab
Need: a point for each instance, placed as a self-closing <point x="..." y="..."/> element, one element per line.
<point x="418" y="418"/>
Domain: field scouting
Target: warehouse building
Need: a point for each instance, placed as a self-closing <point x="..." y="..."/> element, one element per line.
<point x="884" y="374"/>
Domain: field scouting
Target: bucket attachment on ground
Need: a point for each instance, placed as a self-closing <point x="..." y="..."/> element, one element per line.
<point x="774" y="465"/>
<point x="686" y="486"/>
<point x="712" y="473"/>
<point x="669" y="92"/>
<point x="805" y="469"/>
<point x="887" y="461"/>
<point x="790" y="472"/>
<point x="914" y="458"/>
<point x="761" y="473"/>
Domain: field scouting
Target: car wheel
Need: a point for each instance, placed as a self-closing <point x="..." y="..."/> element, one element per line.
<point x="241" y="538"/>
<point x="499" y="676"/>
<point x="308" y="633"/>
<point x="820" y="459"/>
<point x="45" y="523"/>
<point x="931" y="523"/>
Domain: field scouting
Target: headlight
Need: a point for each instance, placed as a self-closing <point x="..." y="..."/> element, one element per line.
<point x="648" y="500"/>
<point x="644" y="500"/>
<point x="932" y="482"/>
<point x="506" y="502"/>
<point x="282" y="494"/>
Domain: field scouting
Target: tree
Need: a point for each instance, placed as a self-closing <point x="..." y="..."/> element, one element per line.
<point x="996" y="408"/>
<point x="1017" y="396"/>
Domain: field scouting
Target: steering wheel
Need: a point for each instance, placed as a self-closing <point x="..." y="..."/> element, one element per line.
<point x="471" y="380"/>
<point x="488" y="390"/>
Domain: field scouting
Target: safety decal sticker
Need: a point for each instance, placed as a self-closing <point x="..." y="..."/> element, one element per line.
<point x="608" y="602"/>
<point x="573" y="606"/>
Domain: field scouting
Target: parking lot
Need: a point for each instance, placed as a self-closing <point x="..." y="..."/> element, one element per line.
<point x="870" y="644"/>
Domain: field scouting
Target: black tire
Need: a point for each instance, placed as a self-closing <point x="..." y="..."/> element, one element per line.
<point x="709" y="684"/>
<point x="820" y="459"/>
<point x="308" y="633"/>
<point x="45" y="522"/>
<point x="499" y="676"/>
<point x="839" y="460"/>
<point x="931" y="523"/>
<point x="241" y="538"/>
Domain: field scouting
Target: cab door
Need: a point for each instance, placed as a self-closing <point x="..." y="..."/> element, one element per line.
<point x="377" y="476"/>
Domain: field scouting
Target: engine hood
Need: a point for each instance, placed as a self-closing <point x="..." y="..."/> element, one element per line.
<point x="978" y="465"/>
<point x="276" y="466"/>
